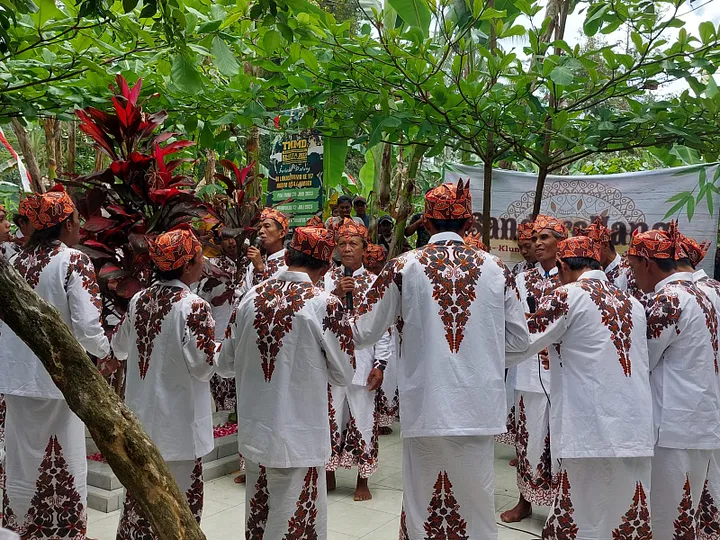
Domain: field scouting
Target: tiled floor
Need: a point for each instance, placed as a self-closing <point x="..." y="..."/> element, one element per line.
<point x="378" y="519"/>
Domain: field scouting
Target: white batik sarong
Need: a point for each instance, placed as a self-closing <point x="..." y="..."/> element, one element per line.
<point x="509" y="437"/>
<point x="678" y="479"/>
<point x="535" y="476"/>
<point x="708" y="515"/>
<point x="601" y="499"/>
<point x="353" y="430"/>
<point x="448" y="488"/>
<point x="46" y="468"/>
<point x="285" y="503"/>
<point x="2" y="441"/>
<point x="188" y="475"/>
<point x="387" y="398"/>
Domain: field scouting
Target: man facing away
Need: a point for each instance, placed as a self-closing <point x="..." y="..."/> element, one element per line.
<point x="167" y="338"/>
<point x="460" y="314"/>
<point x="353" y="430"/>
<point x="601" y="415"/>
<point x="45" y="493"/>
<point x="682" y="331"/>
<point x="287" y="340"/>
<point x="535" y="475"/>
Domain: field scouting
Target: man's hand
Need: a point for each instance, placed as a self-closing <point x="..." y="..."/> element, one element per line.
<point x="108" y="365"/>
<point x="344" y="286"/>
<point x="545" y="359"/>
<point x="256" y="258"/>
<point x="375" y="379"/>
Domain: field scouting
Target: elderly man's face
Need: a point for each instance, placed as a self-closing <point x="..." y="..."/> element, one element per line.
<point x="546" y="246"/>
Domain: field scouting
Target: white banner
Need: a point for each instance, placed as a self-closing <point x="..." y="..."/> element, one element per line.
<point x="627" y="202"/>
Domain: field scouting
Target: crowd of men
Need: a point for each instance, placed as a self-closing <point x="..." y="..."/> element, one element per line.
<point x="602" y="371"/>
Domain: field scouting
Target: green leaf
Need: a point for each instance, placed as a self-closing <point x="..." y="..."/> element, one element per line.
<point x="517" y="30"/>
<point x="210" y="26"/>
<point x="707" y="32"/>
<point x="271" y="41"/>
<point x="224" y="59"/>
<point x="690" y="208"/>
<point x="561" y="75"/>
<point x="310" y="60"/>
<point x="129" y="5"/>
<point x="414" y="12"/>
<point x="711" y="88"/>
<point x="335" y="151"/>
<point x="709" y="199"/>
<point x="297" y="82"/>
<point x="185" y="75"/>
<point x="492" y="13"/>
<point x="687" y="197"/>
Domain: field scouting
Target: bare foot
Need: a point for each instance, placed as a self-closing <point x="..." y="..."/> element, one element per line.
<point x="330" y="479"/>
<point x="513" y="462"/>
<point x="362" y="491"/>
<point x="240" y="479"/>
<point x="522" y="510"/>
<point x="385" y="431"/>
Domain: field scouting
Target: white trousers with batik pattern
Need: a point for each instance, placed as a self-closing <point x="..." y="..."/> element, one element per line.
<point x="285" y="503"/>
<point x="601" y="499"/>
<point x="536" y="477"/>
<point x="509" y="437"/>
<point x="189" y="478"/>
<point x="678" y="479"/>
<point x="448" y="488"/>
<point x="353" y="430"/>
<point x="46" y="468"/>
<point x="708" y="515"/>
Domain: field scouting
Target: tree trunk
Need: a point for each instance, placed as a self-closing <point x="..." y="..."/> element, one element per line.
<point x="539" y="187"/>
<point x="120" y="437"/>
<point x="48" y="125"/>
<point x="29" y="156"/>
<point x="57" y="141"/>
<point x="404" y="203"/>
<point x="99" y="161"/>
<point x="210" y="166"/>
<point x="252" y="147"/>
<point x="487" y="198"/>
<point x="385" y="176"/>
<point x="71" y="146"/>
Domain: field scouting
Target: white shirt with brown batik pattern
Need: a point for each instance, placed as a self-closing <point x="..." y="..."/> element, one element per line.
<point x="220" y="290"/>
<point x="274" y="264"/>
<point x="65" y="278"/>
<point x="167" y="338"/>
<point x="600" y="389"/>
<point x="461" y="311"/>
<point x="287" y="339"/>
<point x="682" y="331"/>
<point x="531" y="377"/>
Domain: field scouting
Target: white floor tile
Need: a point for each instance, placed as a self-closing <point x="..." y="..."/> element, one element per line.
<point x="355" y="519"/>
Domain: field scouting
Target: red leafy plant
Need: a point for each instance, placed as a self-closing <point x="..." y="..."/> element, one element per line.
<point x="139" y="196"/>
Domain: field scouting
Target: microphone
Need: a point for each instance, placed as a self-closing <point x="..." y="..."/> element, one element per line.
<point x="349" y="295"/>
<point x="532" y="304"/>
<point x="257" y="242"/>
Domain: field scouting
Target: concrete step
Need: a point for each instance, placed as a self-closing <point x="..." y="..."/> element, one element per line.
<point x="104" y="500"/>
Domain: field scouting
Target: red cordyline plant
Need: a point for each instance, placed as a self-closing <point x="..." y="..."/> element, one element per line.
<point x="137" y="197"/>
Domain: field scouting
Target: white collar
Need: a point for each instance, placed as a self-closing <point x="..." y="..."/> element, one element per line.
<point x="357" y="272"/>
<point x="444" y="237"/>
<point x="677" y="276"/>
<point x="298" y="277"/>
<point x="175" y="283"/>
<point x="276" y="255"/>
<point x="697" y="276"/>
<point x="550" y="272"/>
<point x="615" y="262"/>
<point x="593" y="274"/>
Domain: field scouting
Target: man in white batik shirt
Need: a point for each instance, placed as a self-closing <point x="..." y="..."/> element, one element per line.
<point x="288" y="339"/>
<point x="535" y="474"/>
<point x="219" y="288"/>
<point x="45" y="493"/>
<point x="526" y="246"/>
<point x="707" y="516"/>
<point x="601" y="417"/>
<point x="683" y="347"/>
<point x="270" y="261"/>
<point x="461" y="312"/>
<point x="353" y="429"/>
<point x="167" y="338"/>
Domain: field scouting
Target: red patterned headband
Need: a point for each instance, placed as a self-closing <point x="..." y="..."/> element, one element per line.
<point x="596" y="230"/>
<point x="449" y="201"/>
<point x="314" y="241"/>
<point x="172" y="250"/>
<point x="374" y="254"/>
<point x="271" y="213"/>
<point x="546" y="222"/>
<point x="49" y="209"/>
<point x="658" y="244"/>
<point x="579" y="246"/>
<point x="349" y="228"/>
<point x="31" y="201"/>
<point x="525" y="231"/>
<point x="473" y="240"/>
<point x="315" y="221"/>
<point x="695" y="252"/>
